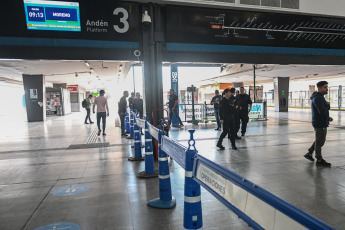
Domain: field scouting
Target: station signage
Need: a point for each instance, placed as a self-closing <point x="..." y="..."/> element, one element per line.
<point x="88" y="20"/>
<point x="207" y="26"/>
<point x="257" y="111"/>
<point x="73" y="88"/>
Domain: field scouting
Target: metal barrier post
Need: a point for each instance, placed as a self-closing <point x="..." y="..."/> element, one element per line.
<point x="128" y="127"/>
<point x="137" y="146"/>
<point x="165" y="200"/>
<point x="149" y="162"/>
<point x="192" y="218"/>
<point x="131" y="135"/>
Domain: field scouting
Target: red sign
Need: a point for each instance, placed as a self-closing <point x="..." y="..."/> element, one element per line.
<point x="216" y="26"/>
<point x="73" y="88"/>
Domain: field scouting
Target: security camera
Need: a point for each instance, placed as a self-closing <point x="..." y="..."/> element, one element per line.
<point x="146" y="19"/>
<point x="137" y="53"/>
<point x="76" y="74"/>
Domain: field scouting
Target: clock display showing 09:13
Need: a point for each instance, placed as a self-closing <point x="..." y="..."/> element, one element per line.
<point x="36" y="15"/>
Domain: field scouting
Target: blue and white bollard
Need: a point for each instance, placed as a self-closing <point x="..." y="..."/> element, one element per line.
<point x="137" y="144"/>
<point x="131" y="134"/>
<point x="192" y="217"/>
<point x="149" y="161"/>
<point x="165" y="200"/>
<point x="128" y="127"/>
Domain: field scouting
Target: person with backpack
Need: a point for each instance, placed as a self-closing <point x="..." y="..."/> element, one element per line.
<point x="87" y="103"/>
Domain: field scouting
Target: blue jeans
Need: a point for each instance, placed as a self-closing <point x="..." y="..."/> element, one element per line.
<point x="171" y="112"/>
<point x="122" y="119"/>
<point x="216" y="114"/>
<point x="102" y="115"/>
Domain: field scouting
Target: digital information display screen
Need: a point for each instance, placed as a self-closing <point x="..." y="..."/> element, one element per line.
<point x="52" y="15"/>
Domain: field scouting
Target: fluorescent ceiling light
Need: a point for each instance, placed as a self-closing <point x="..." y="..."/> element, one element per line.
<point x="87" y="64"/>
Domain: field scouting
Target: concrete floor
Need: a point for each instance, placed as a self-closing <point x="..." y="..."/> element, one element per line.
<point x="34" y="160"/>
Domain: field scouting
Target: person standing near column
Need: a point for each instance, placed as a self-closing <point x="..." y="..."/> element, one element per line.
<point x="88" y="109"/>
<point x="102" y="111"/>
<point x="138" y="104"/>
<point x="173" y="100"/>
<point x="320" y="121"/>
<point x="216" y="103"/>
<point x="243" y="100"/>
<point x="122" y="112"/>
<point x="130" y="100"/>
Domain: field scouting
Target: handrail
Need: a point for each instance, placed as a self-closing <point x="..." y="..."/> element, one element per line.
<point x="259" y="208"/>
<point x="175" y="150"/>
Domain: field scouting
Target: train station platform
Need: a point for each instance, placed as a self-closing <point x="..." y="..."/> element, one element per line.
<point x="36" y="159"/>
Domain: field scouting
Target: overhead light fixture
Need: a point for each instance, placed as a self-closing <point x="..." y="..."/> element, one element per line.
<point x="87" y="64"/>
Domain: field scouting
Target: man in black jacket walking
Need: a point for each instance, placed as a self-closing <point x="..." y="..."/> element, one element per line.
<point x="227" y="118"/>
<point x="320" y="120"/>
<point x="122" y="112"/>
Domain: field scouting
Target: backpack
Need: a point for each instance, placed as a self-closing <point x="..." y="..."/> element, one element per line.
<point x="84" y="104"/>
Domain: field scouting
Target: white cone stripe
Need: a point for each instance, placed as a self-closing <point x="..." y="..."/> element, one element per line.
<point x="148" y="140"/>
<point x="188" y="173"/>
<point x="195" y="199"/>
<point x="136" y="131"/>
<point x="148" y="153"/>
<point x="164" y="177"/>
<point x="136" y="141"/>
<point x="162" y="158"/>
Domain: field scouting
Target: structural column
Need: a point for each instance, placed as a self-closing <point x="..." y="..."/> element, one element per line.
<point x="281" y="94"/>
<point x="34" y="86"/>
<point x="152" y="68"/>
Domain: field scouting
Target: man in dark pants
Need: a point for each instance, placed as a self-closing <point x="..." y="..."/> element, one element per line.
<point x="122" y="112"/>
<point x="227" y="118"/>
<point x="138" y="104"/>
<point x="216" y="103"/>
<point x="243" y="100"/>
<point x="102" y="111"/>
<point x="88" y="110"/>
<point x="173" y="100"/>
<point x="320" y="121"/>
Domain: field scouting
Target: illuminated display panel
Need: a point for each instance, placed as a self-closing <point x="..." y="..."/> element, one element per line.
<point x="52" y="15"/>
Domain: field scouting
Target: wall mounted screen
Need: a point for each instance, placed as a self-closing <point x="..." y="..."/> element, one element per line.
<point x="52" y="15"/>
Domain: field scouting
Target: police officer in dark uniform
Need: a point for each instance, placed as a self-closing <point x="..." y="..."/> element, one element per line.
<point x="227" y="114"/>
<point x="243" y="100"/>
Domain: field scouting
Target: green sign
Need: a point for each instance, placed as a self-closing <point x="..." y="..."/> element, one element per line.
<point x="283" y="92"/>
<point x="95" y="94"/>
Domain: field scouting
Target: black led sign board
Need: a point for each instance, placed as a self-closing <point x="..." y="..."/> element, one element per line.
<point x="70" y="19"/>
<point x="249" y="28"/>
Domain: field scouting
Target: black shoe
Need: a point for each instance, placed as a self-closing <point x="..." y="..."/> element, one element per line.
<point x="220" y="146"/>
<point x="309" y="156"/>
<point x="99" y="132"/>
<point x="86" y="123"/>
<point x="237" y="137"/>
<point x="234" y="147"/>
<point x="92" y="122"/>
<point x="104" y="134"/>
<point x="242" y="135"/>
<point x="217" y="129"/>
<point x="124" y="135"/>
<point x="323" y="163"/>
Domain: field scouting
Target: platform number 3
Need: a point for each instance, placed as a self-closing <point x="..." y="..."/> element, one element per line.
<point x="174" y="76"/>
<point x="123" y="20"/>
